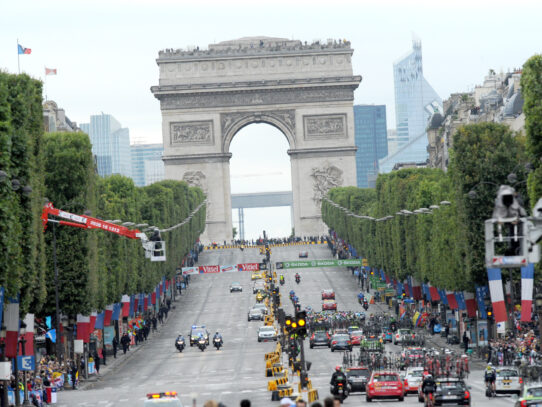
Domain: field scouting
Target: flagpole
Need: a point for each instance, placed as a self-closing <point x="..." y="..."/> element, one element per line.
<point x="18" y="62"/>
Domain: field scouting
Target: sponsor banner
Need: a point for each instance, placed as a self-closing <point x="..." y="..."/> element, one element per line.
<point x="318" y="263"/>
<point x="209" y="269"/>
<point x="190" y="270"/>
<point x="249" y="267"/>
<point x="228" y="269"/>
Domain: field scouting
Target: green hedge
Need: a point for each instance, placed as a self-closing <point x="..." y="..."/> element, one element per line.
<point x="446" y="247"/>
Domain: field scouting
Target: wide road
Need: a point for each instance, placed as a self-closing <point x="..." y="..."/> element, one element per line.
<point x="237" y="370"/>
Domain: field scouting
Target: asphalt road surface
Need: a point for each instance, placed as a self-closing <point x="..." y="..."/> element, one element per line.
<point x="237" y="371"/>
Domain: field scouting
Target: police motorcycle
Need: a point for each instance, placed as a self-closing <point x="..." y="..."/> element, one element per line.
<point x="217" y="341"/>
<point x="281" y="280"/>
<point x="202" y="343"/>
<point x="179" y="343"/>
<point x="339" y="384"/>
<point x="361" y="298"/>
<point x="365" y="305"/>
<point x="297" y="278"/>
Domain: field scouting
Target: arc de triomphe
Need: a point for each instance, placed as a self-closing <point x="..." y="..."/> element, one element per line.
<point x="306" y="91"/>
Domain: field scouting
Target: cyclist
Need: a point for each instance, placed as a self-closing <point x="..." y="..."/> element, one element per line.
<point x="428" y="388"/>
<point x="489" y="378"/>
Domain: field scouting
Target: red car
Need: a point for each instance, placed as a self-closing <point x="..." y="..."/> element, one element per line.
<point x="329" y="305"/>
<point x="328" y="295"/>
<point x="356" y="337"/>
<point x="385" y="385"/>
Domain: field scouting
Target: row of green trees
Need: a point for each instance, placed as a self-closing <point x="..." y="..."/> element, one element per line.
<point x="447" y="246"/>
<point x="95" y="267"/>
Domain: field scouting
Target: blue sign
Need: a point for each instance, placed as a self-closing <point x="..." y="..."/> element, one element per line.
<point x="26" y="363"/>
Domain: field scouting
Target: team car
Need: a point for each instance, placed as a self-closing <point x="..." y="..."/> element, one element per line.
<point x="261" y="307"/>
<point x="341" y="342"/>
<point x="328" y="295"/>
<point x="329" y="305"/>
<point x="508" y="380"/>
<point x="166" y="399"/>
<point x="357" y="378"/>
<point x="385" y="385"/>
<point x="256" y="275"/>
<point x="303" y="254"/>
<point x="413" y="379"/>
<point x="320" y="338"/>
<point x="236" y="286"/>
<point x="356" y="336"/>
<point x="195" y="331"/>
<point x="255" y="314"/>
<point x="531" y="396"/>
<point x="267" y="333"/>
<point x="451" y="390"/>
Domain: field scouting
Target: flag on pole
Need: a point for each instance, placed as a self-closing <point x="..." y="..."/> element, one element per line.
<point x="527" y="280"/>
<point x="29" y="335"/>
<point x="452" y="300"/>
<point x="99" y="324"/>
<point x="50" y="71"/>
<point x="125" y="305"/>
<point x="83" y="328"/>
<point x="470" y="302"/>
<point x="22" y="50"/>
<point x="11" y="321"/>
<point x="108" y="315"/>
<point x="93" y="316"/>
<point x="497" y="295"/>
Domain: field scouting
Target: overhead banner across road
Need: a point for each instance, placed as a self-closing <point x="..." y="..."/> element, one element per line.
<point x="318" y="263"/>
<point x="223" y="269"/>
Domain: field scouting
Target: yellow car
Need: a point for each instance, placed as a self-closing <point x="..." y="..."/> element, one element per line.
<point x="256" y="275"/>
<point x="259" y="296"/>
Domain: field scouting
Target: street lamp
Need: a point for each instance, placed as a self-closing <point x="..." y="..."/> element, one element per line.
<point x="4" y="359"/>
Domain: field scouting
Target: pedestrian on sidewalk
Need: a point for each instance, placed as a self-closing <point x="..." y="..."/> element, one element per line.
<point x="154" y="323"/>
<point x="97" y="362"/>
<point x="466" y="341"/>
<point x="74" y="374"/>
<point x="125" y="342"/>
<point x="104" y="351"/>
<point x="115" y="344"/>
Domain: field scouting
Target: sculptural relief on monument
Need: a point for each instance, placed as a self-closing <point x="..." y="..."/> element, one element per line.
<point x="325" y="126"/>
<point x="200" y="132"/>
<point x="324" y="179"/>
<point x="196" y="179"/>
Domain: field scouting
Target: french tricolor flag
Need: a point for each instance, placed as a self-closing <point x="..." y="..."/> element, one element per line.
<point x="416" y="289"/>
<point x="527" y="278"/>
<point x="470" y="301"/>
<point x="434" y="293"/>
<point x="497" y="294"/>
<point x="93" y="316"/>
<point x="452" y="301"/>
<point x="125" y="305"/>
<point x="29" y="335"/>
<point x="83" y="328"/>
<point x="11" y="321"/>
<point x="108" y="315"/>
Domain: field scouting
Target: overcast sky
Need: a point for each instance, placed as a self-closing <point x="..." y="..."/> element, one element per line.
<point x="105" y="50"/>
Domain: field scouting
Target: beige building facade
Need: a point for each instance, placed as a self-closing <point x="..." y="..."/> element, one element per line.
<point x="306" y="91"/>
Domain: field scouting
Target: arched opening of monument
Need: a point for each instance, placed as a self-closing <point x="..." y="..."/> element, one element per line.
<point x="259" y="169"/>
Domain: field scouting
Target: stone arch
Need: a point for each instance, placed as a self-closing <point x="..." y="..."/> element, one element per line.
<point x="231" y="123"/>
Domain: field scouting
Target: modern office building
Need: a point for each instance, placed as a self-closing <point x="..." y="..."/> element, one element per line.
<point x="415" y="102"/>
<point x="110" y="145"/>
<point x="371" y="141"/>
<point x="147" y="164"/>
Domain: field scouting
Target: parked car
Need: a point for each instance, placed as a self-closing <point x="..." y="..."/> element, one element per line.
<point x="303" y="254"/>
<point x="508" y="380"/>
<point x="385" y="385"/>
<point x="357" y="378"/>
<point x="320" y="338"/>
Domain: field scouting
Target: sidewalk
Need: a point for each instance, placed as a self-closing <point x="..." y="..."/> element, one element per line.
<point x="114" y="364"/>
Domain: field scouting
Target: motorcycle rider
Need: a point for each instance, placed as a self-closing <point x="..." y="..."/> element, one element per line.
<point x="217" y="336"/>
<point x="365" y="304"/>
<point x="179" y="338"/>
<point x="361" y="296"/>
<point x="338" y="377"/>
<point x="428" y="386"/>
<point x="281" y="278"/>
<point x="297" y="277"/>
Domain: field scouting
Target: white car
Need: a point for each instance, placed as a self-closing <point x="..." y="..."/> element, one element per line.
<point x="413" y="379"/>
<point x="267" y="333"/>
<point x="400" y="335"/>
<point x="508" y="380"/>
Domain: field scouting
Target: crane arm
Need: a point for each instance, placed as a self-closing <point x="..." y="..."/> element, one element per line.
<point x="87" y="222"/>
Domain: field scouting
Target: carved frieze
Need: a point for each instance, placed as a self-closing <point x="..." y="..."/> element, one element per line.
<point x="324" y="126"/>
<point x="256" y="98"/>
<point x="284" y="117"/>
<point x="196" y="132"/>
<point x="325" y="178"/>
<point x="196" y="179"/>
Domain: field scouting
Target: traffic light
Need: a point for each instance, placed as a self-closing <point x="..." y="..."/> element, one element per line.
<point x="288" y="322"/>
<point x="301" y="318"/>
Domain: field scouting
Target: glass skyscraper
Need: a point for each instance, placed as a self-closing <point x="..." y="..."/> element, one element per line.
<point x="415" y="102"/>
<point x="147" y="164"/>
<point x="371" y="141"/>
<point x="110" y="145"/>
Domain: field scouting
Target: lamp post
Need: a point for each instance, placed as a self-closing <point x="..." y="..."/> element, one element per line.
<point x="26" y="402"/>
<point x="4" y="359"/>
<point x="538" y="301"/>
<point x="487" y="303"/>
